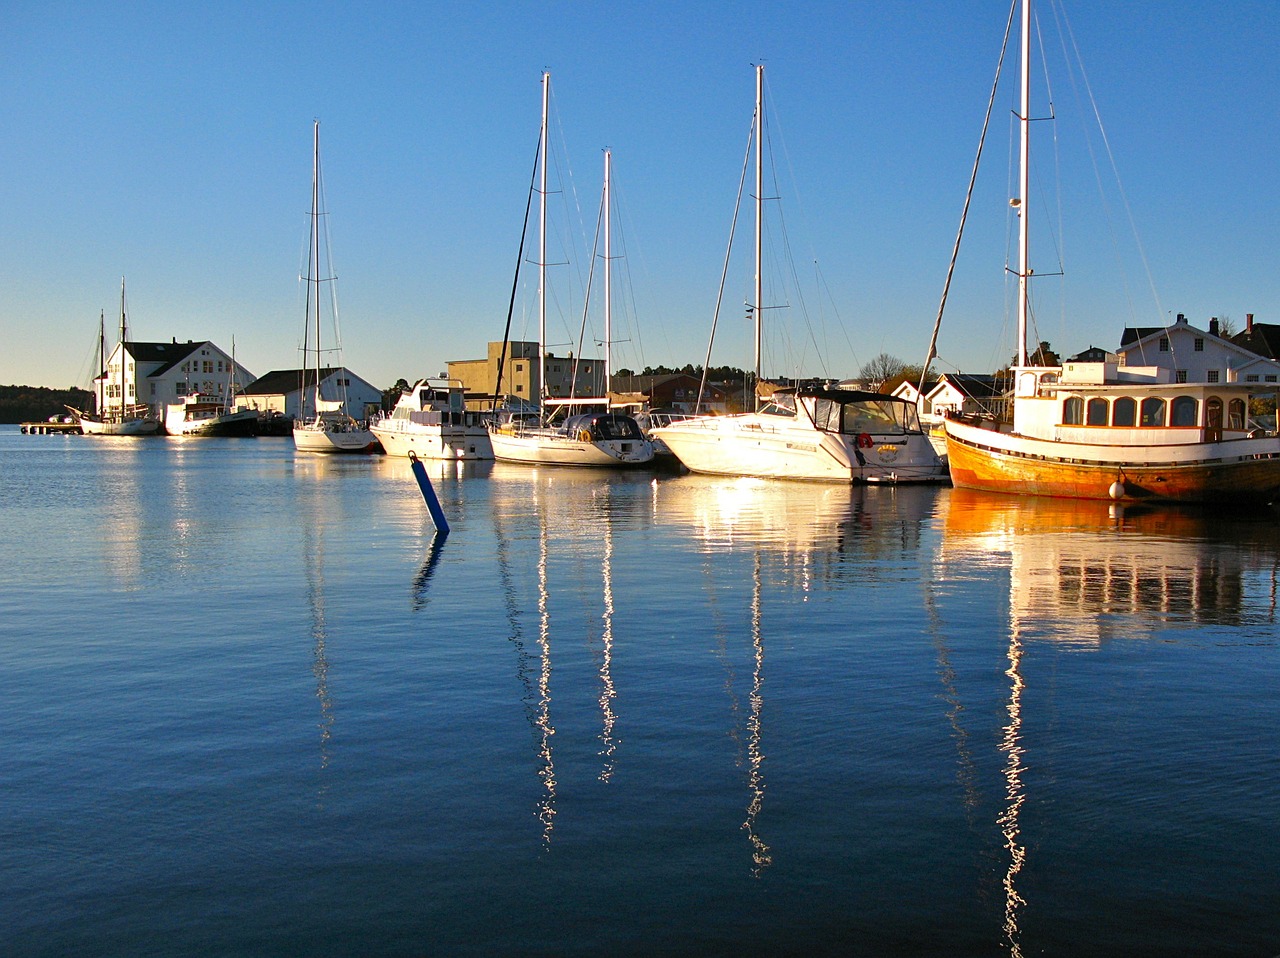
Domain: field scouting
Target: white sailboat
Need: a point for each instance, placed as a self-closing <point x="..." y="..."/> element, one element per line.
<point x="323" y="426"/>
<point x="127" y="418"/>
<point x="589" y="438"/>
<point x="1099" y="431"/>
<point x="431" y="421"/>
<point x="811" y="433"/>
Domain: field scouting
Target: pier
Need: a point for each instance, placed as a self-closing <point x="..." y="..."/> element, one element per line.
<point x="50" y="428"/>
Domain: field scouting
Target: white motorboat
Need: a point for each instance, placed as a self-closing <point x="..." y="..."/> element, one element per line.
<point x="431" y="421"/>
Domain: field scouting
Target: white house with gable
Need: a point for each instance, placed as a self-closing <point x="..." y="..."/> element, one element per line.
<point x="1193" y="355"/>
<point x="156" y="374"/>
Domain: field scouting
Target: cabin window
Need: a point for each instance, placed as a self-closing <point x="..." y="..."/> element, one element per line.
<point x="1073" y="411"/>
<point x="1199" y="344"/>
<point x="1185" y="411"/>
<point x="1152" y="411"/>
<point x="1236" y="416"/>
<point x="1213" y="375"/>
<point x="1164" y="344"/>
<point x="1097" y="412"/>
<point x="1213" y="412"/>
<point x="1124" y="411"/>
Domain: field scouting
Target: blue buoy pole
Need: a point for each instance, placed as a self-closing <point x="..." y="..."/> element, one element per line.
<point x="429" y="494"/>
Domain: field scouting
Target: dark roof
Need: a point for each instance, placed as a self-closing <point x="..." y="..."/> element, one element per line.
<point x="975" y="385"/>
<point x="1261" y="338"/>
<point x="279" y="382"/>
<point x="166" y="353"/>
<point x="1134" y="333"/>
<point x="1088" y="355"/>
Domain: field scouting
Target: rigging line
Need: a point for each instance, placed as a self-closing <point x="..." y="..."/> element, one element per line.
<point x="964" y="215"/>
<point x="515" y="282"/>
<point x="1106" y="142"/>
<point x="724" y="272"/>
<point x="586" y="305"/>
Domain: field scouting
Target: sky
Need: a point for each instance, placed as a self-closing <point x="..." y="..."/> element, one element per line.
<point x="171" y="145"/>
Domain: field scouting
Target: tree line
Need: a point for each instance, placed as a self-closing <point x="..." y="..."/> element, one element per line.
<point x="38" y="403"/>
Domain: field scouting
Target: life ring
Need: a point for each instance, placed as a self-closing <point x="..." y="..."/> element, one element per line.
<point x="865" y="441"/>
<point x="584" y="436"/>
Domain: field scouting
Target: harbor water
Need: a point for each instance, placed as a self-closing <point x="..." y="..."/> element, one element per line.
<point x="251" y="704"/>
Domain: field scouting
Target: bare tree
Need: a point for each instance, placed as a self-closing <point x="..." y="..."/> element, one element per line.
<point x="881" y="369"/>
<point x="1226" y="326"/>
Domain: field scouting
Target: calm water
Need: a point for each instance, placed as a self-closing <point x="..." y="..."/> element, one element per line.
<point x="250" y="705"/>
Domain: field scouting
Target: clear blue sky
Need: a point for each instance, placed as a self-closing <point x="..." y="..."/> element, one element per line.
<point x="170" y="144"/>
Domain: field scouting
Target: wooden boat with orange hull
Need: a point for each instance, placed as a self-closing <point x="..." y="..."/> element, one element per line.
<point x="1228" y="471"/>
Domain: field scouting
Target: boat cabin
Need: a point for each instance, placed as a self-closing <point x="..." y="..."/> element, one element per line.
<point x="849" y="412"/>
<point x="1099" y="403"/>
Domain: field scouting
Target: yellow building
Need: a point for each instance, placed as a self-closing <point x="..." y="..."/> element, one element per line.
<point x="520" y="378"/>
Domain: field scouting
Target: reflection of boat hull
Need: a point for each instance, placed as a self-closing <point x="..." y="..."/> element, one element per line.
<point x="193" y="420"/>
<point x="331" y="436"/>
<point x="400" y="438"/>
<point x="552" y="448"/>
<point x="1230" y="471"/>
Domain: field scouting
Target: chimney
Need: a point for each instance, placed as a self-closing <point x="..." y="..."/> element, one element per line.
<point x="1248" y="322"/>
<point x="1213" y="326"/>
<point x="1181" y="318"/>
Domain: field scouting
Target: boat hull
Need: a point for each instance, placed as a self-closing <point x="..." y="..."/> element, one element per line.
<point x="544" y="447"/>
<point x="771" y="447"/>
<point x="127" y="427"/>
<point x="243" y="423"/>
<point x="433" y="442"/>
<point x="1229" y="472"/>
<point x="330" y="441"/>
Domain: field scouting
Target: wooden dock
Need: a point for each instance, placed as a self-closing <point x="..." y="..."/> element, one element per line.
<point x="50" y="428"/>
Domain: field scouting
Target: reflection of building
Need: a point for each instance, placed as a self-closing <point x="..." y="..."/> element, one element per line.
<point x="479" y="377"/>
<point x="1079" y="569"/>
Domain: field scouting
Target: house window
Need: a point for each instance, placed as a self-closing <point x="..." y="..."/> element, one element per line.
<point x="1213" y="375"/>
<point x="1270" y="379"/>
<point x="1251" y="378"/>
<point x="1164" y="344"/>
<point x="1152" y="411"/>
<point x="1097" y="412"/>
<point x="1180" y="376"/>
<point x="519" y="388"/>
<point x="1199" y="344"/>
<point x="1185" y="411"/>
<point x="180" y="389"/>
<point x="519" y="367"/>
<point x="1123" y="411"/>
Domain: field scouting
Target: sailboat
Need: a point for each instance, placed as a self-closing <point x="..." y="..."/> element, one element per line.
<point x="594" y="436"/>
<point x="819" y="433"/>
<point x="323" y="426"/>
<point x="1088" y="430"/>
<point x="128" y="418"/>
<point x="208" y="415"/>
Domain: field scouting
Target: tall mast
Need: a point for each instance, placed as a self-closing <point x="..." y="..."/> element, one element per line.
<point x="1024" y="124"/>
<point x="759" y="294"/>
<point x="608" y="278"/>
<point x="101" y="397"/>
<point x="542" y="245"/>
<point x="124" y="357"/>
<point x="314" y="266"/>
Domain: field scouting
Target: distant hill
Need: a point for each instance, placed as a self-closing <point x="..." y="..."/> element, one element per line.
<point x="38" y="403"/>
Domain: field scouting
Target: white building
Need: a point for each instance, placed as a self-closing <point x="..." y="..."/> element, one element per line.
<point x="1192" y="355"/>
<point x="156" y="374"/>
<point x="280" y="391"/>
